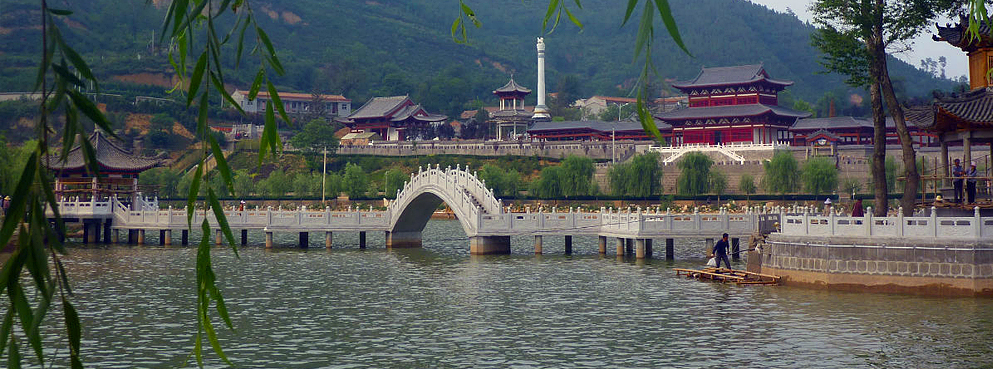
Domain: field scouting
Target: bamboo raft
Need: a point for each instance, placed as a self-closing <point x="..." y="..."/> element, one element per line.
<point x="725" y="275"/>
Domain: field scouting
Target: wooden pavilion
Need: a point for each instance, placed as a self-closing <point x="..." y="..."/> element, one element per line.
<point x="118" y="171"/>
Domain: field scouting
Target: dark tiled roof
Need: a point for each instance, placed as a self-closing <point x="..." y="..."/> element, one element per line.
<point x="109" y="155"/>
<point x="825" y="133"/>
<point x="746" y="110"/>
<point x="730" y="75"/>
<point x="958" y="35"/>
<point x="406" y="112"/>
<point x="378" y="107"/>
<point x="511" y="113"/>
<point x="512" y="87"/>
<point x="974" y="106"/>
<point x="832" y="123"/>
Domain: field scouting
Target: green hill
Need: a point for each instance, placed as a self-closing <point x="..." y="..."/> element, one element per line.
<point x="364" y="48"/>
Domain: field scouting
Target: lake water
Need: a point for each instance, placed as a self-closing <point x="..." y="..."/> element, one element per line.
<point x="439" y="307"/>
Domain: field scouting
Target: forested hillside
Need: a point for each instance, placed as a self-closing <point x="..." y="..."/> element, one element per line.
<point x="365" y="48"/>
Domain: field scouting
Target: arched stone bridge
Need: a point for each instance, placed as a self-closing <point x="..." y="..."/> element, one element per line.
<point x="486" y="223"/>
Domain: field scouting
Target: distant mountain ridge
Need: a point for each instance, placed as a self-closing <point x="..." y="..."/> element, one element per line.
<point x="365" y="48"/>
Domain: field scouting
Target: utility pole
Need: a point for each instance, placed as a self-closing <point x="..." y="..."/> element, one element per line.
<point x="324" y="176"/>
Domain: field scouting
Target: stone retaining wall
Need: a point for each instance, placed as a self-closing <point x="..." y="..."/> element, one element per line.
<point x="906" y="266"/>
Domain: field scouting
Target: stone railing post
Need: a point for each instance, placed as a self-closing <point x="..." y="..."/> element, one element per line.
<point x="900" y="223"/>
<point x="977" y="223"/>
<point x="933" y="222"/>
<point x="868" y="221"/>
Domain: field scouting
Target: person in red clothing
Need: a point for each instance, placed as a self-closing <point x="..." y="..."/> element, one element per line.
<point x="857" y="210"/>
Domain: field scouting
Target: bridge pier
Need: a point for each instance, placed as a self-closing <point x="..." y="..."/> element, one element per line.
<point x="218" y="237"/>
<point x="669" y="249"/>
<point x="361" y="240"/>
<point x="620" y="247"/>
<point x="268" y="239"/>
<point x="568" y="245"/>
<point x="244" y="237"/>
<point x="106" y="230"/>
<point x="141" y="236"/>
<point x="640" y="248"/>
<point x="602" y="242"/>
<point x="327" y="239"/>
<point x="489" y="245"/>
<point x="403" y="240"/>
<point x="184" y="237"/>
<point x="304" y="240"/>
<point x="537" y="244"/>
<point x="168" y="237"/>
<point x="736" y="249"/>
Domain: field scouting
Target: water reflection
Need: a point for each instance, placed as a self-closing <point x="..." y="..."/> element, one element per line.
<point x="440" y="307"/>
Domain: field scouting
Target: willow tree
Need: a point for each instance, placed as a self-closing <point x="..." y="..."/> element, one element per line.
<point x="856" y="37"/>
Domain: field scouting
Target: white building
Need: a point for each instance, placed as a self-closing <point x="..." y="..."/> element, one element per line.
<point x="295" y="103"/>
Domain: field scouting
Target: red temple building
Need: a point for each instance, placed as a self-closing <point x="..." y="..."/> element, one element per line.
<point x="731" y="105"/>
<point x="393" y="118"/>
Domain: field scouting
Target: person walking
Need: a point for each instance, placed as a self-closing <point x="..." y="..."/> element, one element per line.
<point x="970" y="183"/>
<point x="957" y="173"/>
<point x="857" y="210"/>
<point x="6" y="205"/>
<point x="721" y="251"/>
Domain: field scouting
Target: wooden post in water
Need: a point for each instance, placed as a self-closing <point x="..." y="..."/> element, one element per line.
<point x="602" y="242"/>
<point x="669" y="249"/>
<point x="736" y="249"/>
<point x="362" y="240"/>
<point x="568" y="245"/>
<point x="327" y="240"/>
<point x="537" y="244"/>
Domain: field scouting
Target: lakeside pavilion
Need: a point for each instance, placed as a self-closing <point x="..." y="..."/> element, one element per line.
<point x="964" y="119"/>
<point x="512" y="118"/>
<point x="118" y="171"/>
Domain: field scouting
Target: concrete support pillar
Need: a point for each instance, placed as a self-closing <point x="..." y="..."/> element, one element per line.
<point x="648" y="247"/>
<point x="244" y="237"/>
<point x="489" y="245"/>
<point x="167" y="237"/>
<point x="268" y="239"/>
<point x="630" y="246"/>
<point x="568" y="245"/>
<point x="710" y="247"/>
<point x="640" y="248"/>
<point x="361" y="240"/>
<point x="670" y="253"/>
<point x="184" y="237"/>
<point x="602" y="243"/>
<point x="620" y="247"/>
<point x="116" y="236"/>
<point x="86" y="233"/>
<point x="736" y="249"/>
<point x="218" y="237"/>
<point x="162" y="237"/>
<point x="537" y="245"/>
<point x="304" y="240"/>
<point x="402" y="240"/>
<point x="106" y="230"/>
<point x="141" y="236"/>
<point x="327" y="240"/>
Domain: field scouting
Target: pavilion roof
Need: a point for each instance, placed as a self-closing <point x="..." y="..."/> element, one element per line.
<point x="719" y="76"/>
<point x="109" y="156"/>
<point x="825" y="133"/>
<point x="832" y="123"/>
<point x="745" y="110"/>
<point x="417" y="113"/>
<point x="970" y="110"/>
<point x="958" y="34"/>
<point x="512" y="87"/>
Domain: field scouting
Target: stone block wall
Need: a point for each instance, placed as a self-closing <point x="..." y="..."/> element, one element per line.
<point x="892" y="265"/>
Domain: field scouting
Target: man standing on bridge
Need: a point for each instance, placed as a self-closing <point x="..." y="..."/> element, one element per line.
<point x="721" y="252"/>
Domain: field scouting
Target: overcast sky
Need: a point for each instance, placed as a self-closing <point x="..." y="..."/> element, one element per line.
<point x="923" y="46"/>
